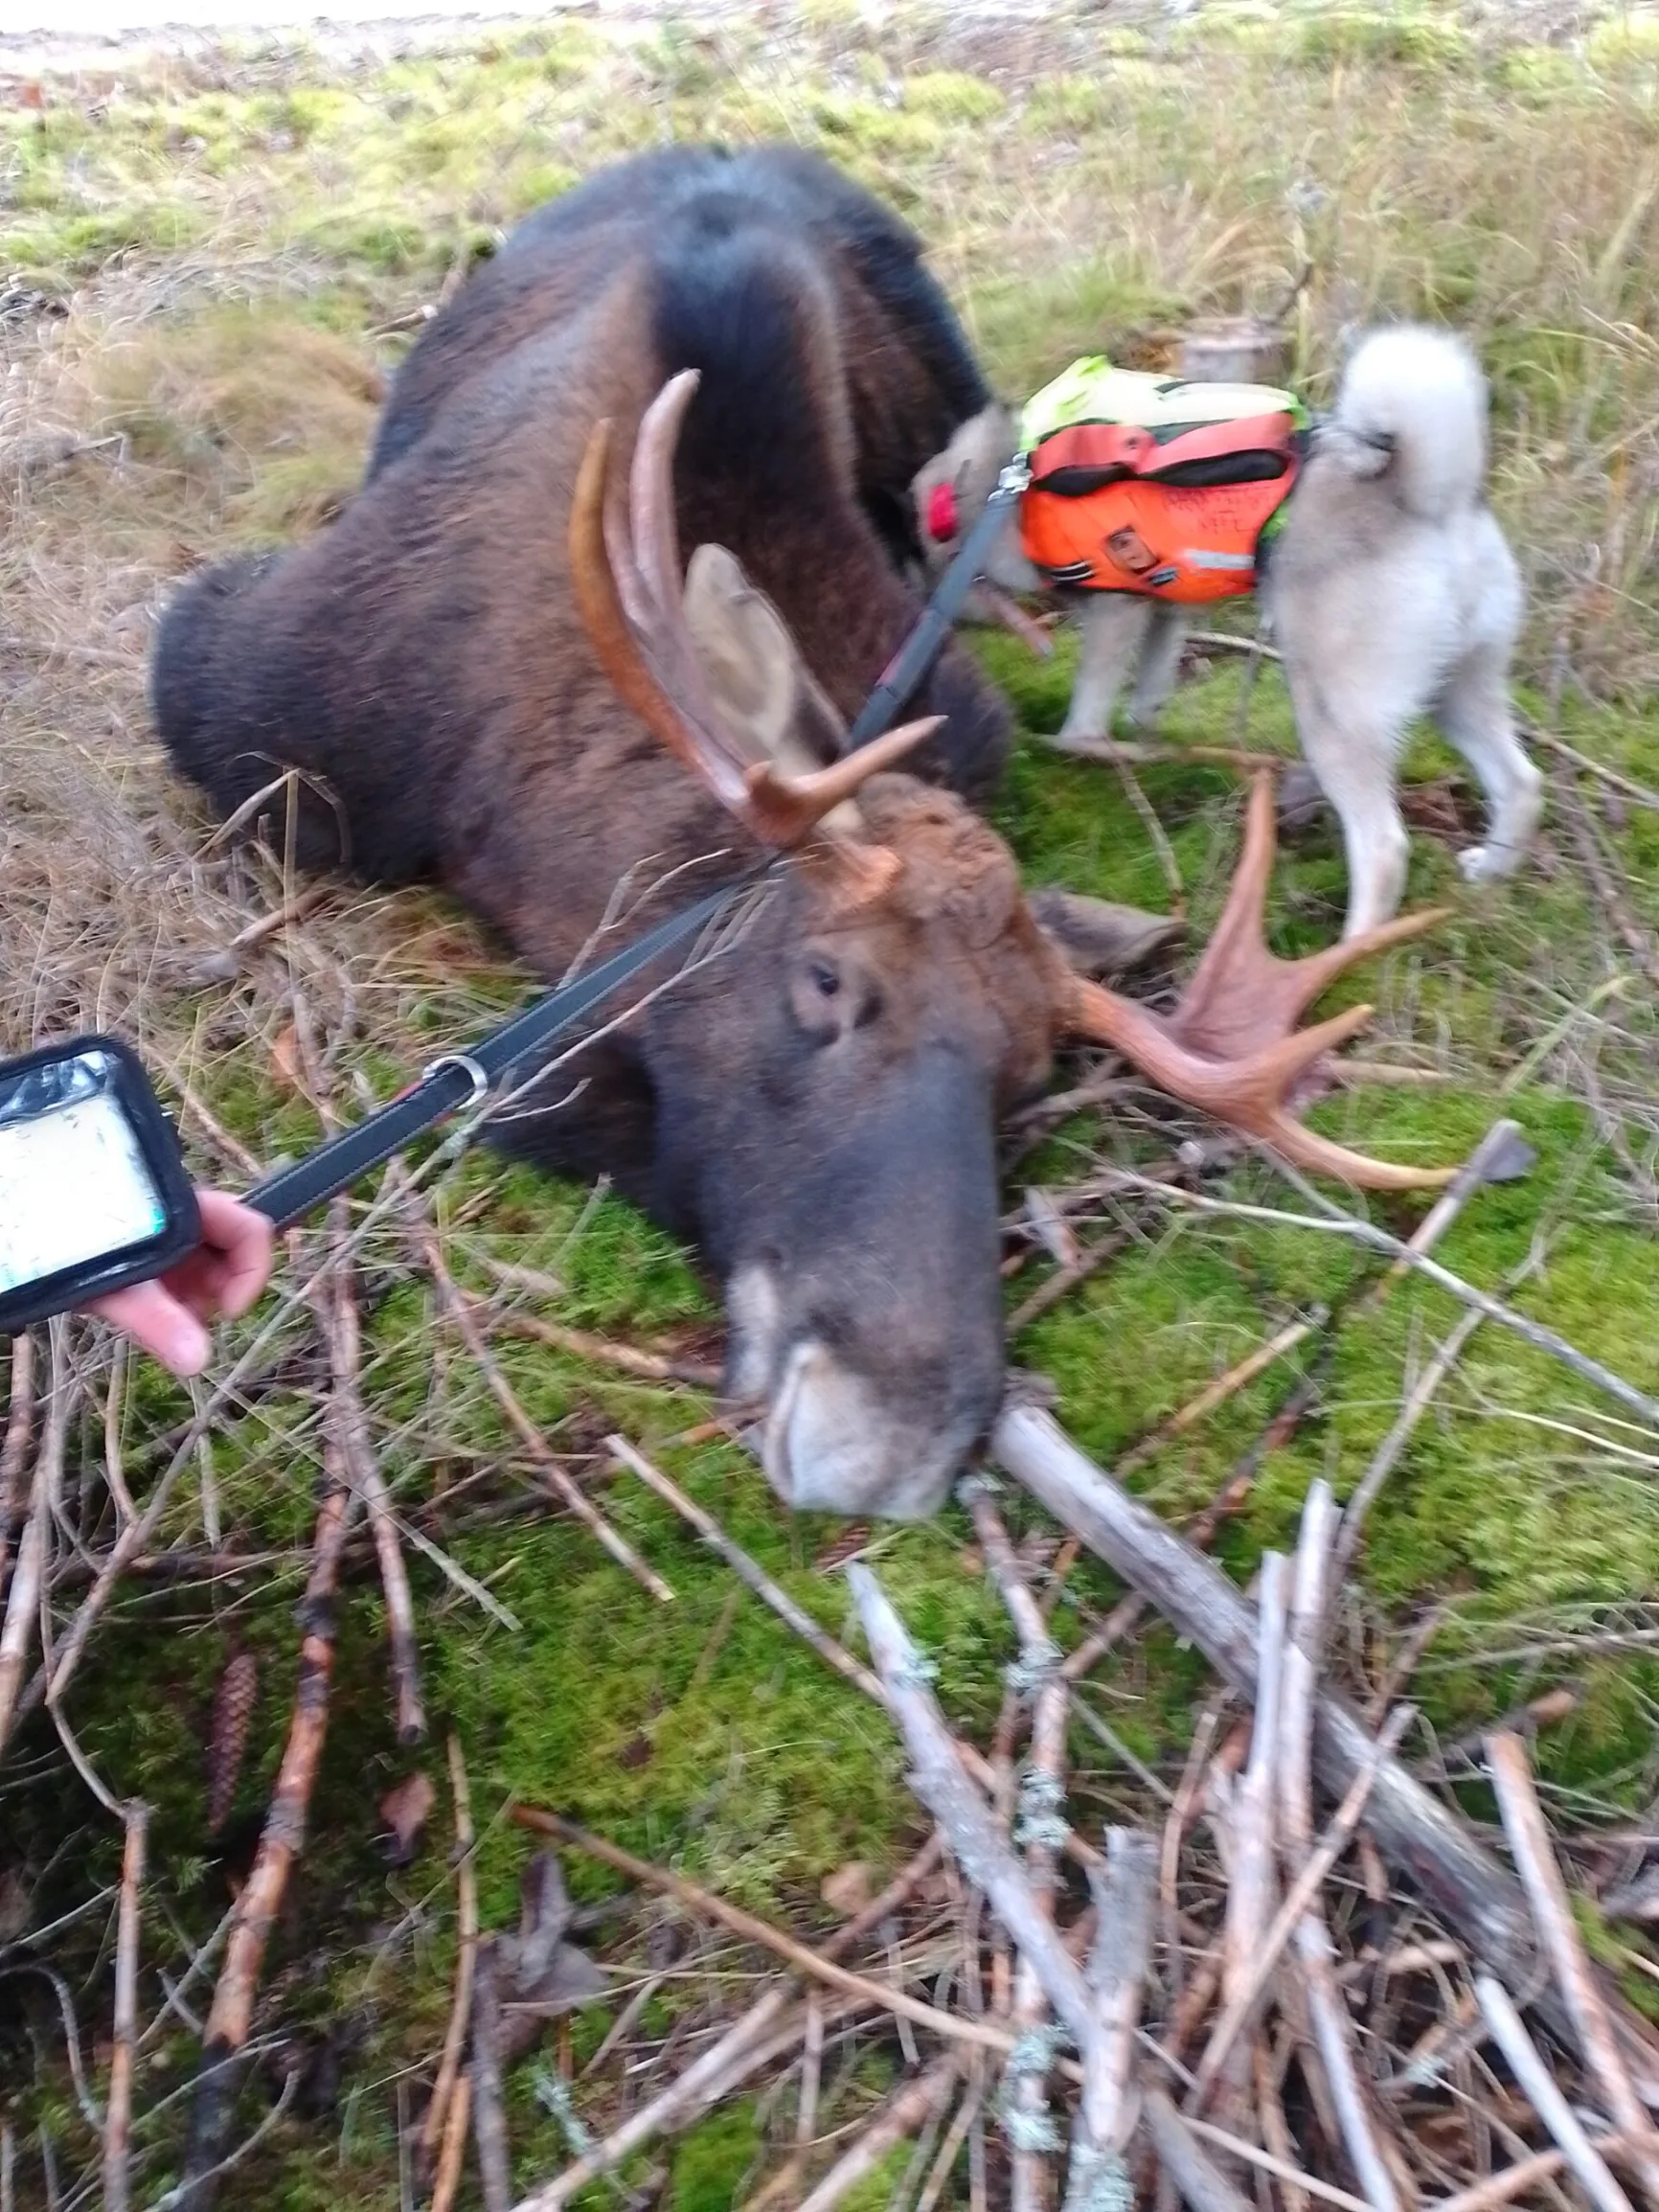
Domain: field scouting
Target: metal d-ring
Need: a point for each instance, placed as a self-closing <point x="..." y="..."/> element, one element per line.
<point x="469" y="1068"/>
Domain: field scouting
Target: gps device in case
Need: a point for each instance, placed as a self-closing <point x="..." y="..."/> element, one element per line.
<point x="93" y="1191"/>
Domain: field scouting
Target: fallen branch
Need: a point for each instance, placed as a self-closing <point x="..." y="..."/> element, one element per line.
<point x="443" y="2088"/>
<point x="280" y="1845"/>
<point x="1201" y="2181"/>
<point x="1332" y="2027"/>
<point x="27" y="1592"/>
<point x="1338" y="1834"/>
<point x="909" y="2109"/>
<point x="348" y="1423"/>
<point x="488" y="2113"/>
<point x="1041" y="1830"/>
<point x="975" y="1838"/>
<point x="1552" y="1909"/>
<point x="1508" y="2033"/>
<point x="14" y="1445"/>
<point x="1119" y="1961"/>
<point x="118" y="2115"/>
<point x="601" y="1351"/>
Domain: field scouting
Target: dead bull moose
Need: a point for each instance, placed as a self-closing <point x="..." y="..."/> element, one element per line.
<point x="494" y="669"/>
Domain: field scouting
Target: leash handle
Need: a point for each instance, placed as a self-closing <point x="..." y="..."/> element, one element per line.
<point x="920" y="651"/>
<point x="460" y="1080"/>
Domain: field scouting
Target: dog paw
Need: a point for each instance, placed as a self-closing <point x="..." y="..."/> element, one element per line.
<point x="1486" y="863"/>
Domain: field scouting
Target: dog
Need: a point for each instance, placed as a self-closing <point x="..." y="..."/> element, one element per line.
<point x="1390" y="590"/>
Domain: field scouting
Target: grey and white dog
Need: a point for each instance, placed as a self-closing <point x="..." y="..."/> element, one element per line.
<point x="1390" y="591"/>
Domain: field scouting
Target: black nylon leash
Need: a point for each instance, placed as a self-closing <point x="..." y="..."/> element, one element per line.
<point x="461" y="1079"/>
<point x="923" y="647"/>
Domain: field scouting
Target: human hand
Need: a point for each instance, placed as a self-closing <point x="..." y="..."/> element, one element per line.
<point x="222" y="1277"/>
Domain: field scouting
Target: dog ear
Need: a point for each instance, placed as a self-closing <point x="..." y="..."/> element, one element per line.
<point x="1363" y="454"/>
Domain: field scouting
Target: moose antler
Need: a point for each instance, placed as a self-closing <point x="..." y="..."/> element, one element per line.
<point x="1230" y="1047"/>
<point x="629" y="589"/>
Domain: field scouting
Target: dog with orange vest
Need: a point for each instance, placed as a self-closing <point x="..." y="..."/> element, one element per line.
<point x="1389" y="587"/>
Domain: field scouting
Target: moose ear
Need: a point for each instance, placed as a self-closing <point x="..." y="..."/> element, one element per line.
<point x="772" y="703"/>
<point x="1095" y="938"/>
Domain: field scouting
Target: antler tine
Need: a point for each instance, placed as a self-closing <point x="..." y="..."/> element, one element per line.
<point x="1240" y="926"/>
<point x="1248" y="1093"/>
<point x="656" y="534"/>
<point x="617" y="638"/>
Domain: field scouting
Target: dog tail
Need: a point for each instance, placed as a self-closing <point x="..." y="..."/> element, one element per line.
<point x="1412" y="406"/>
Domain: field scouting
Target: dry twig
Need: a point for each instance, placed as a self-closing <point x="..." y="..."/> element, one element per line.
<point x="444" y="2087"/>
<point x="118" y="2115"/>
<point x="1547" y="1893"/>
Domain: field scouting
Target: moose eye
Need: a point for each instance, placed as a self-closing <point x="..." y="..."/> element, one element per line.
<point x="825" y="980"/>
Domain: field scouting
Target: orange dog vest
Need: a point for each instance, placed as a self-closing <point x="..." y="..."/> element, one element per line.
<point x="1149" y="485"/>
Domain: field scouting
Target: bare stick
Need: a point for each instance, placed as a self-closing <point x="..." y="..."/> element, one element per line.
<point x="488" y="2113"/>
<point x="911" y="2109"/>
<point x="1332" y="2030"/>
<point x="1243" y="2006"/>
<point x="1510" y="2033"/>
<point x="446" y="2183"/>
<point x="1113" y="751"/>
<point x="281" y="1845"/>
<point x="1195" y="2173"/>
<point x="950" y="2150"/>
<point x="1532" y="1333"/>
<point x="1267" y="2163"/>
<point x="25" y="1597"/>
<point x="1027" y="2124"/>
<point x="1254" y="1817"/>
<point x="443" y="2088"/>
<point x="816" y="1965"/>
<point x="747" y="1570"/>
<point x="1225" y="1386"/>
<point x="14" y="1445"/>
<point x="1547" y="1893"/>
<point x="1117" y="1964"/>
<point x="811" y="2066"/>
<point x="465" y="1313"/>
<point x="975" y="1838"/>
<point x="1640" y="792"/>
<point x="1512" y="2181"/>
<point x="728" y="2061"/>
<point x="117" y="2119"/>
<point x="1387" y="1455"/>
<point x="348" y="1421"/>
<point x="601" y="1351"/>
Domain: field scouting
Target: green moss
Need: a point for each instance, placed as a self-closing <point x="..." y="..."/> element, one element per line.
<point x="713" y="2158"/>
<point x="953" y="97"/>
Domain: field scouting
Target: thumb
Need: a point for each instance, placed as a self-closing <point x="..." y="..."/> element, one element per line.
<point x="156" y="1320"/>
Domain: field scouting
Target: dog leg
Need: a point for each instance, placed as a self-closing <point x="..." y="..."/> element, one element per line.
<point x="1112" y="625"/>
<point x="1355" y="765"/>
<point x="1160" y="662"/>
<point x="1474" y="713"/>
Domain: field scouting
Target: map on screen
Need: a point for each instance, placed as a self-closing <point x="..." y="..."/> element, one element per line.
<point x="74" y="1186"/>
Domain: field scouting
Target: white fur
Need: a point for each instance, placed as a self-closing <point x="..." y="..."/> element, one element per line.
<point x="1392" y="593"/>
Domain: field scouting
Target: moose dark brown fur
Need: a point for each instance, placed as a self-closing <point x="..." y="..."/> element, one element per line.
<point x="816" y="1109"/>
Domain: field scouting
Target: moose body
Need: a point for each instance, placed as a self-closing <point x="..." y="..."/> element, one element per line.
<point x="423" y="665"/>
<point x="476" y="681"/>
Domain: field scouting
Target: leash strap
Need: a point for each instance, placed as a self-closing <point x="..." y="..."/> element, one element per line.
<point x="462" y="1079"/>
<point x="922" y="647"/>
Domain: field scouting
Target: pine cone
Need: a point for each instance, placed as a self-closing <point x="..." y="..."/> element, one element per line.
<point x="228" y="1740"/>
